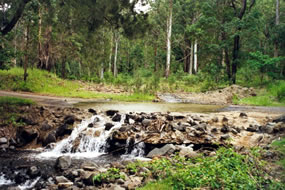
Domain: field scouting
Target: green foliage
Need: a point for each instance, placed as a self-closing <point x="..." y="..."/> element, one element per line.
<point x="226" y="170"/>
<point x="111" y="175"/>
<point x="13" y="101"/>
<point x="279" y="145"/>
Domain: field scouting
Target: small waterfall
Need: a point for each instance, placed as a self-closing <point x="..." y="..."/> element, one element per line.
<point x="84" y="141"/>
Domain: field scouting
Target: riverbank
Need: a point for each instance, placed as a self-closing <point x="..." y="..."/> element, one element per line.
<point x="65" y="147"/>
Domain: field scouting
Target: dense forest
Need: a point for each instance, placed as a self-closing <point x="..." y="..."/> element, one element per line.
<point x="142" y="44"/>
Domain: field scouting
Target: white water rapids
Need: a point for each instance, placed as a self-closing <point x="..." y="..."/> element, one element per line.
<point x="92" y="141"/>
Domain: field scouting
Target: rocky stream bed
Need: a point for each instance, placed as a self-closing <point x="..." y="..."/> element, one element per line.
<point x="64" y="148"/>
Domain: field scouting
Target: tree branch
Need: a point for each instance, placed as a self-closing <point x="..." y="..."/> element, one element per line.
<point x="243" y="9"/>
<point x="16" y="17"/>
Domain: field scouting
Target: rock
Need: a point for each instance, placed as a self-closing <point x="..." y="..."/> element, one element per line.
<point x="279" y="119"/>
<point x="26" y="135"/>
<point x="214" y="130"/>
<point x="120" y="181"/>
<point x="90" y="110"/>
<point x="111" y="112"/>
<point x="146" y="122"/>
<point x="28" y="121"/>
<point x="225" y="120"/>
<point x="116" y="118"/>
<point x="63" y="162"/>
<point x="133" y="183"/>
<point x="63" y="130"/>
<point x="90" y="125"/>
<point x="89" y="166"/>
<point x="169" y="117"/>
<point x="242" y="114"/>
<point x="69" y="120"/>
<point x="279" y="127"/>
<point x="187" y="152"/>
<point x="3" y="140"/>
<point x="61" y="179"/>
<point x="235" y="132"/>
<point x="215" y="119"/>
<point x="166" y="149"/>
<point x="116" y="187"/>
<point x="131" y="121"/>
<point x="49" y="138"/>
<point x="34" y="171"/>
<point x="201" y="127"/>
<point x="225" y="137"/>
<point x="225" y="129"/>
<point x="178" y="127"/>
<point x="266" y="128"/>
<point x="252" y="128"/>
<point x="108" y="126"/>
<point x="45" y="127"/>
<point x="66" y="185"/>
<point x="179" y="116"/>
<point x="196" y="118"/>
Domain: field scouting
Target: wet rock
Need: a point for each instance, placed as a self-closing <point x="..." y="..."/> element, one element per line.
<point x="252" y="128"/>
<point x="131" y="121"/>
<point x="61" y="179"/>
<point x="26" y="135"/>
<point x="45" y="127"/>
<point x="169" y="117"/>
<point x="111" y="112"/>
<point x="157" y="152"/>
<point x="63" y="130"/>
<point x="146" y="122"/>
<point x="63" y="162"/>
<point x="234" y="131"/>
<point x="3" y="140"/>
<point x="90" y="110"/>
<point x="108" y="126"/>
<point x="21" y="177"/>
<point x="49" y="138"/>
<point x="69" y="120"/>
<point x="279" y="119"/>
<point x="90" y="125"/>
<point x="225" y="137"/>
<point x="34" y="171"/>
<point x="242" y="114"/>
<point x="225" y="129"/>
<point x="116" y="118"/>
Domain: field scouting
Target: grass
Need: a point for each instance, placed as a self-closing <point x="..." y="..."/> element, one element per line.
<point x="46" y="83"/>
<point x="12" y="101"/>
<point x="271" y="95"/>
<point x="279" y="145"/>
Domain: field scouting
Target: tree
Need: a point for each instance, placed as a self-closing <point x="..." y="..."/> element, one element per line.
<point x="169" y="31"/>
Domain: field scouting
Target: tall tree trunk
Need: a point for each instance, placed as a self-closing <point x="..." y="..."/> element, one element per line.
<point x="26" y="62"/>
<point x="102" y="71"/>
<point x="191" y="58"/>
<point x="277" y="22"/>
<point x="196" y="57"/>
<point x="117" y="38"/>
<point x="235" y="57"/>
<point x="169" y="31"/>
<point x="40" y="63"/>
<point x="111" y="54"/>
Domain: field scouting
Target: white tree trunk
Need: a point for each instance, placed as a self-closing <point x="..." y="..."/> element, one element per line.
<point x="277" y="22"/>
<point x="195" y="57"/>
<point x="117" y="38"/>
<point x="191" y="59"/>
<point x="169" y="30"/>
<point x="111" y="54"/>
<point x="102" y="71"/>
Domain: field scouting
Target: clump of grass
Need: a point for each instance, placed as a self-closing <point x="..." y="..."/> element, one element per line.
<point x="13" y="101"/>
<point x="226" y="170"/>
<point x="279" y="145"/>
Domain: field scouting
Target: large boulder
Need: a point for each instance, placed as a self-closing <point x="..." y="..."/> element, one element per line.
<point x="157" y="152"/>
<point x="109" y="126"/>
<point x="111" y="112"/>
<point x="49" y="138"/>
<point x="116" y="118"/>
<point x="279" y="119"/>
<point x="64" y="129"/>
<point x="26" y="135"/>
<point x="69" y="119"/>
<point x="3" y="140"/>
